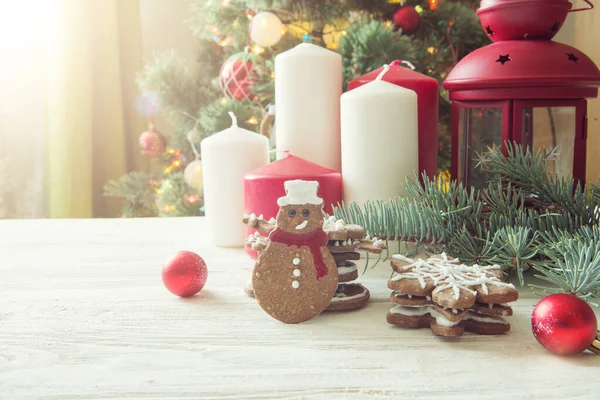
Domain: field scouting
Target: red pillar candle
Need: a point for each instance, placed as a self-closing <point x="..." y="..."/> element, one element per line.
<point x="263" y="186"/>
<point x="428" y="103"/>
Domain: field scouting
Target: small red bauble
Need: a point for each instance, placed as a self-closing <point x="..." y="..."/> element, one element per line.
<point x="152" y="143"/>
<point x="564" y="324"/>
<point x="407" y="19"/>
<point x="184" y="274"/>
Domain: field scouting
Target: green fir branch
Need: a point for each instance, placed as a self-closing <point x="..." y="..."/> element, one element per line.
<point x="573" y="267"/>
<point x="525" y="218"/>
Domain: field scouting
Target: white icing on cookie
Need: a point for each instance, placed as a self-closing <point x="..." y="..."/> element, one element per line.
<point x="346" y="270"/>
<point x="446" y="274"/>
<point x="261" y="217"/>
<point x="296" y="261"/>
<point x="252" y="217"/>
<point x="440" y="320"/>
<point x="273" y="221"/>
<point x="302" y="225"/>
<point x="421" y="311"/>
<point x="379" y="243"/>
<point x="296" y="272"/>
<point x="339" y="297"/>
<point x="257" y="238"/>
<point x="300" y="192"/>
<point x="331" y="224"/>
<point x="295" y="284"/>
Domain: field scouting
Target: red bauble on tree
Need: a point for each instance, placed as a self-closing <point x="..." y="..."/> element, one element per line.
<point x="564" y="324"/>
<point x="407" y="19"/>
<point x="152" y="143"/>
<point x="237" y="76"/>
<point x="184" y="274"/>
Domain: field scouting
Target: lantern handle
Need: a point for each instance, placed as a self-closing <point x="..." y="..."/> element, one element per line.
<point x="590" y="6"/>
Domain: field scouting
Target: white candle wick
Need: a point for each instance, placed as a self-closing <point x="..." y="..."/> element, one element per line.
<point x="386" y="68"/>
<point x="410" y="65"/>
<point x="407" y="63"/>
<point x="233" y="119"/>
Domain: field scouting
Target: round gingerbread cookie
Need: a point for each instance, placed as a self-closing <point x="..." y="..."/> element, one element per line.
<point x="347" y="271"/>
<point x="349" y="296"/>
<point x="295" y="277"/>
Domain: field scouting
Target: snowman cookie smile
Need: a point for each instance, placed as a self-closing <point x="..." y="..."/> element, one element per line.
<point x="302" y="225"/>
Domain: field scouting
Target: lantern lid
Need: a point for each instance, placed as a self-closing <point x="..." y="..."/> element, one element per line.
<point x="517" y="66"/>
<point x="396" y="73"/>
<point x="290" y="166"/>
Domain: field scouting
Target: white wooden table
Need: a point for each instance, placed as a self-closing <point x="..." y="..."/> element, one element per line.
<point x="84" y="315"/>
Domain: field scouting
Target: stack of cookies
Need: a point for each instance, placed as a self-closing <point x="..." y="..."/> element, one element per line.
<point x="345" y="242"/>
<point x="448" y="297"/>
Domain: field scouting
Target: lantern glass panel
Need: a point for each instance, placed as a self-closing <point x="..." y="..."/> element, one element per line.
<point x="552" y="130"/>
<point x="479" y="129"/>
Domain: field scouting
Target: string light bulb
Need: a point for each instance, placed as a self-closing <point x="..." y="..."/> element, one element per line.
<point x="256" y="49"/>
<point x="192" y="198"/>
<point x="433" y="4"/>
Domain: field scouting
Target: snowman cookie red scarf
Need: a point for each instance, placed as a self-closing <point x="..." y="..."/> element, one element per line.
<point x="314" y="241"/>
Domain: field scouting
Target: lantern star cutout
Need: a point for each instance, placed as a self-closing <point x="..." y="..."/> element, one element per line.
<point x="555" y="27"/>
<point x="481" y="159"/>
<point x="573" y="57"/>
<point x="489" y="30"/>
<point x="552" y="154"/>
<point x="503" y="59"/>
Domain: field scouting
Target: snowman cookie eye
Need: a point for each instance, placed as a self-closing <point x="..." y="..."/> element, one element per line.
<point x="292" y="213"/>
<point x="305" y="213"/>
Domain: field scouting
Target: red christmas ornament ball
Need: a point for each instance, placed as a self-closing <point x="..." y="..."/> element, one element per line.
<point x="152" y="143"/>
<point x="237" y="76"/>
<point x="564" y="324"/>
<point x="184" y="274"/>
<point x="407" y="19"/>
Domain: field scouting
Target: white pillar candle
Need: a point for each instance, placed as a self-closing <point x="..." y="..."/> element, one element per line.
<point x="379" y="140"/>
<point x="226" y="157"/>
<point x="308" y="86"/>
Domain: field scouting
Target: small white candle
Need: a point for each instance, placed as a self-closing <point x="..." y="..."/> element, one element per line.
<point x="226" y="157"/>
<point x="308" y="86"/>
<point x="379" y="140"/>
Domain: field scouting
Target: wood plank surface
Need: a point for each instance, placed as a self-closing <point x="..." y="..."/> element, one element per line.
<point x="84" y="315"/>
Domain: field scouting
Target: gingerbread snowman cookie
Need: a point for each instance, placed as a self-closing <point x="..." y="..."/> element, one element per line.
<point x="295" y="277"/>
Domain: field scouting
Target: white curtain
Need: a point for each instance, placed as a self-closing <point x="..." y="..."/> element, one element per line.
<point x="22" y="102"/>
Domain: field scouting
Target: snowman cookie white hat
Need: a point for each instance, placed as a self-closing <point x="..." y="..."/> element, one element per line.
<point x="300" y="192"/>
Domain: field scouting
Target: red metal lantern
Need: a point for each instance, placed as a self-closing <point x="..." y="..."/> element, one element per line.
<point x="531" y="92"/>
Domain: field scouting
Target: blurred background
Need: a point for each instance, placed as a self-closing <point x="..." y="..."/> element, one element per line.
<point x="83" y="86"/>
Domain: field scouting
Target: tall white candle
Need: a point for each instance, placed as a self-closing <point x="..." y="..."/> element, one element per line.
<point x="308" y="86"/>
<point x="379" y="140"/>
<point x="226" y="157"/>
